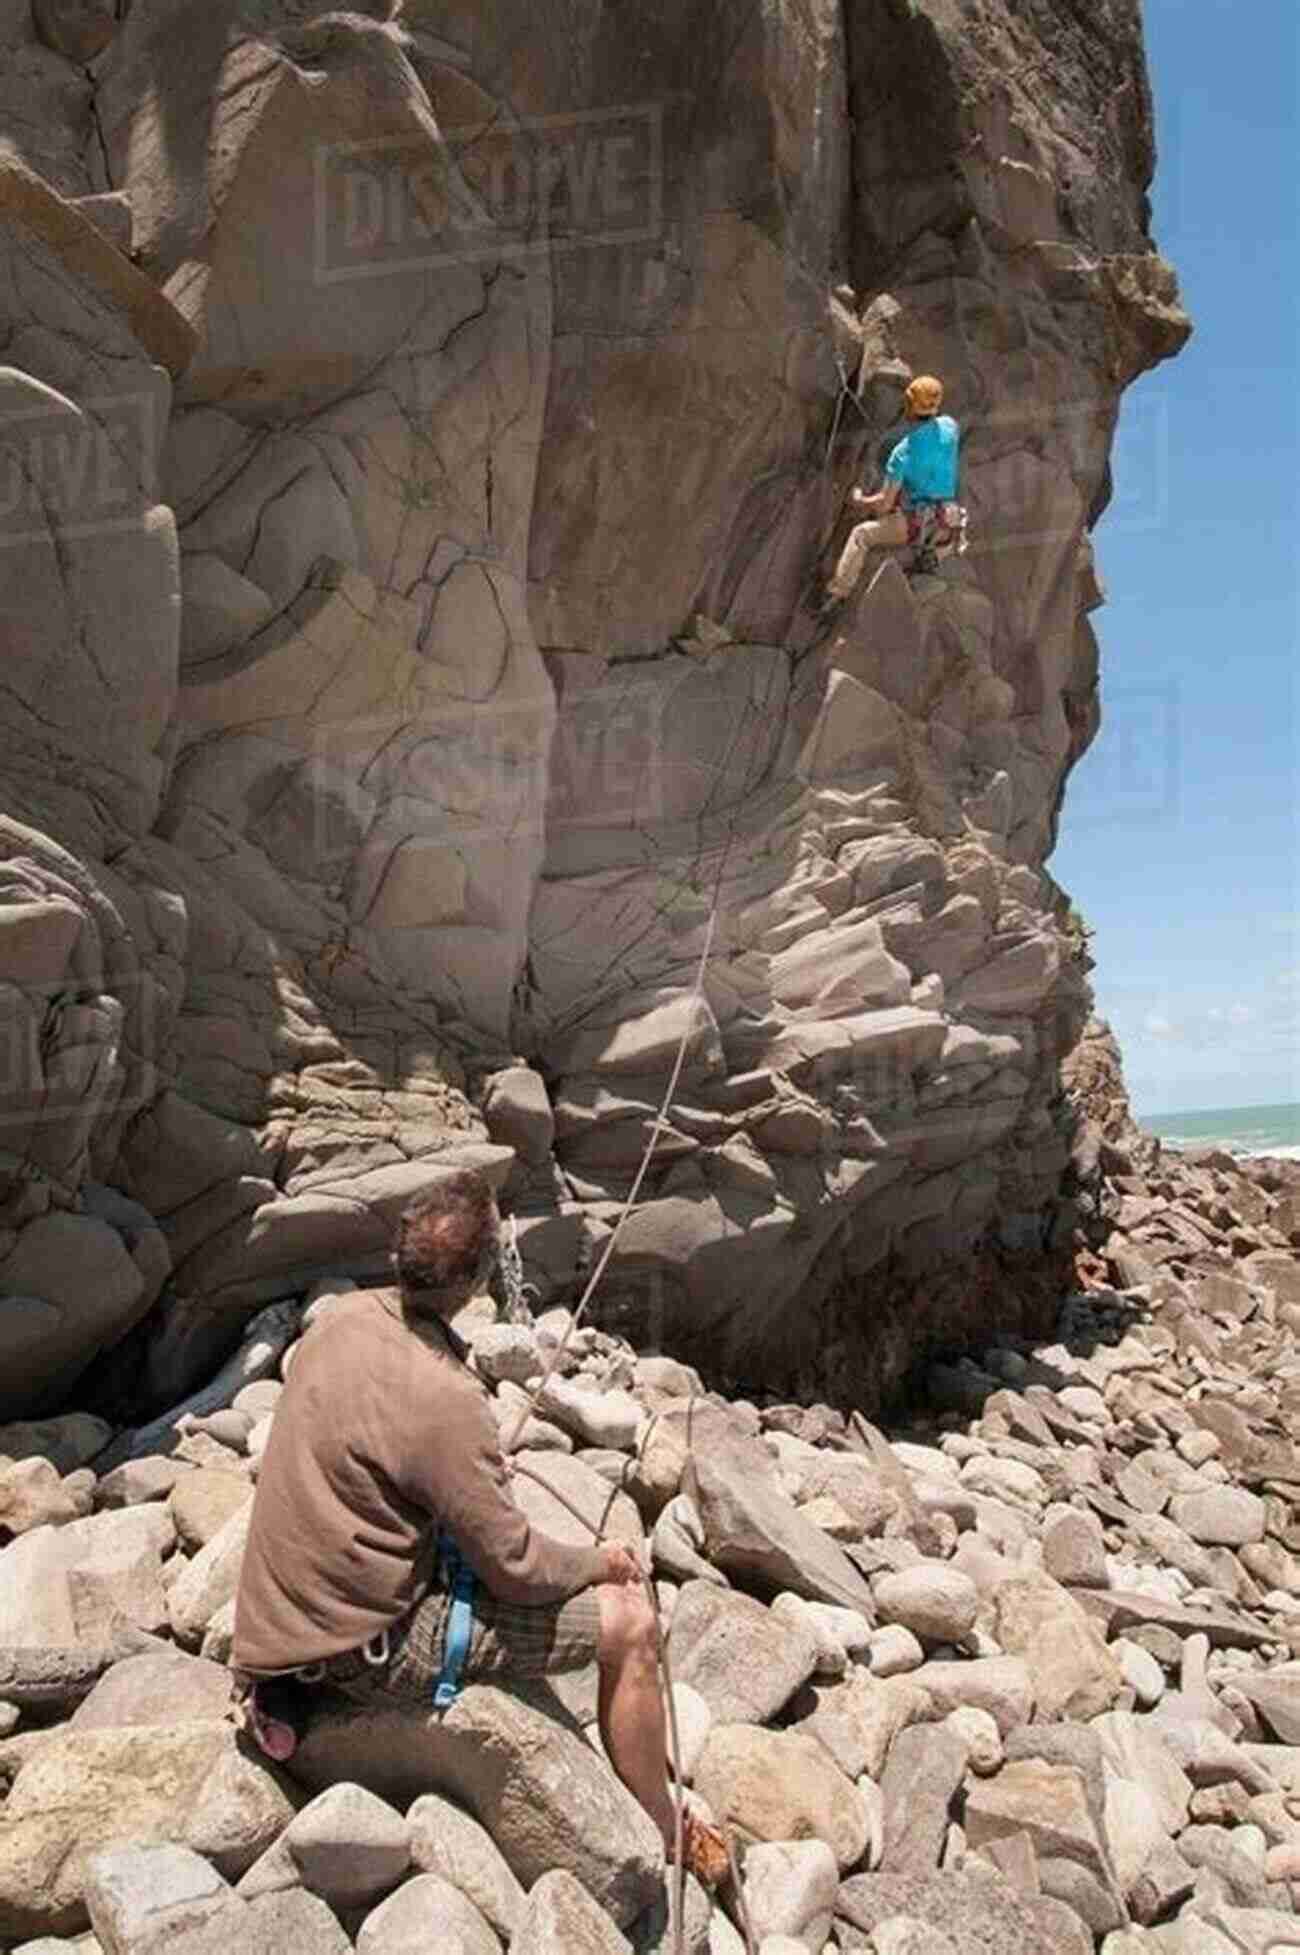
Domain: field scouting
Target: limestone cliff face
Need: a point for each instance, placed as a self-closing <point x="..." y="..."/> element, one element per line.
<point x="425" y="430"/>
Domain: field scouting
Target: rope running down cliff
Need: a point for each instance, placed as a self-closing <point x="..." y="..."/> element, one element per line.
<point x="697" y="996"/>
<point x="677" y="1889"/>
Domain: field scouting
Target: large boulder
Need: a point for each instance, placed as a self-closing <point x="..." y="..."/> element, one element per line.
<point x="167" y="1688"/>
<point x="1276" y="1696"/>
<point x="1001" y="1685"/>
<point x="85" y="1581"/>
<point x="1073" y="1673"/>
<point x="191" y="1784"/>
<point x="560" y="1918"/>
<point x="757" y="1536"/>
<point x="790" y="1888"/>
<point x="1134" y="1750"/>
<point x="346" y="1846"/>
<point x="605" y="1511"/>
<point x="857" y="1721"/>
<point x="32" y="1495"/>
<point x="1047" y="1802"/>
<point x="211" y="1579"/>
<point x="936" y="1602"/>
<point x="923" y="1773"/>
<point x="69" y="1289"/>
<point x="975" y="1910"/>
<point x="141" y="1897"/>
<point x="522" y="1771"/>
<point x="52" y="1681"/>
<point x="159" y="1900"/>
<point x="780" y="1785"/>
<point x="427" y="1912"/>
<point x="445" y="1840"/>
<point x="744" y="1660"/>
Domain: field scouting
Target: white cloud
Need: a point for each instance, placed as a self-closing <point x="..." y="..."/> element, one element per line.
<point x="1234" y="1043"/>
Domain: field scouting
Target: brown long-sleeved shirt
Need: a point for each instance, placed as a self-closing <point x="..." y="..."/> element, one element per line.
<point x="382" y="1435"/>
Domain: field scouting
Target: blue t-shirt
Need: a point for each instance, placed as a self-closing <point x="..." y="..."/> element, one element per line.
<point x="925" y="460"/>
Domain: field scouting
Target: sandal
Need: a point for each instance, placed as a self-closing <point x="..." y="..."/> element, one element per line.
<point x="704" y="1852"/>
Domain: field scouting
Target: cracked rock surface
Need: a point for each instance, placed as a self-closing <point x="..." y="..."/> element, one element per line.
<point x="423" y="433"/>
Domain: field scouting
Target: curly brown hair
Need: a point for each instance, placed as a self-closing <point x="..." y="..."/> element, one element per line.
<point x="446" y="1241"/>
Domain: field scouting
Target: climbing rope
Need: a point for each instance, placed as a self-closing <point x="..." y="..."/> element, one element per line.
<point x="677" y="1887"/>
<point x="527" y="1410"/>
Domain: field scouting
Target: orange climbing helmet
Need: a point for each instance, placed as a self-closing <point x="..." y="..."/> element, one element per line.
<point x="924" y="396"/>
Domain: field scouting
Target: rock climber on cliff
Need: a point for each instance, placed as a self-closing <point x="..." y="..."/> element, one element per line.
<point x="387" y="1558"/>
<point x="918" y="505"/>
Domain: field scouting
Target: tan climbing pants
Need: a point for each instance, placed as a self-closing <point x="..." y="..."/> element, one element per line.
<point x="881" y="533"/>
<point x="936" y="529"/>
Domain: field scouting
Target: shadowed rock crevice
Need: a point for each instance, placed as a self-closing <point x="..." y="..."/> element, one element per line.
<point x="907" y="135"/>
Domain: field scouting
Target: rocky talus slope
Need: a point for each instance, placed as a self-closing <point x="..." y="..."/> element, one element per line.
<point x="421" y="431"/>
<point x="1021" y="1678"/>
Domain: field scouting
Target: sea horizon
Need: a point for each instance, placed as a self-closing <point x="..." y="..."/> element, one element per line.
<point x="1269" y="1128"/>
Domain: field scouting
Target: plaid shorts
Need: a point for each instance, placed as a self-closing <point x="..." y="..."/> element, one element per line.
<point x="508" y="1641"/>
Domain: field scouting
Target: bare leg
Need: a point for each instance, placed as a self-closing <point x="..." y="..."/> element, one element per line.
<point x="886" y="532"/>
<point x="629" y="1706"/>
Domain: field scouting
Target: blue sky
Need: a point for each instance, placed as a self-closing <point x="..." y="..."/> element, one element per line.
<point x="1181" y="827"/>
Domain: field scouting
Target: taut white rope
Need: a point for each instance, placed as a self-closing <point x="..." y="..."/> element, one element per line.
<point x="697" y="993"/>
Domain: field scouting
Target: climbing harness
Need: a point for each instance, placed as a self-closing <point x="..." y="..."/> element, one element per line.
<point x="459" y="1577"/>
<point x="936" y="530"/>
<point x="376" y="1652"/>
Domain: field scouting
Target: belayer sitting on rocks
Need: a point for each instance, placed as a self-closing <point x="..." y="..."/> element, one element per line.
<point x="918" y="504"/>
<point x="387" y="1557"/>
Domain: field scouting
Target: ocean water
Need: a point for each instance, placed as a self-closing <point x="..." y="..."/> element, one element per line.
<point x="1238" y="1129"/>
